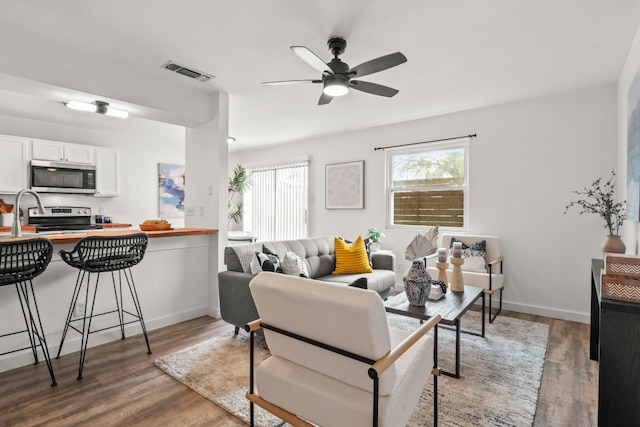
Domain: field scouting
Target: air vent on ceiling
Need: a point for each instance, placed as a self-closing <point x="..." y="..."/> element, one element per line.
<point x="189" y="72"/>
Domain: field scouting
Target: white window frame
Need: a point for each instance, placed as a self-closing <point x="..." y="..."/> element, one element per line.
<point x="426" y="147"/>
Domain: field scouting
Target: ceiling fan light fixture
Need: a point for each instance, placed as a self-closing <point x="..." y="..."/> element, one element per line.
<point x="336" y="86"/>
<point x="117" y="113"/>
<point x="81" y="106"/>
<point x="99" y="107"/>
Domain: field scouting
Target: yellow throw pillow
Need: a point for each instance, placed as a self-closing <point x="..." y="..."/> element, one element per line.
<point x="351" y="258"/>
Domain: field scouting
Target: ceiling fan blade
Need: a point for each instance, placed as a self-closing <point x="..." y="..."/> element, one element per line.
<point x="287" y="82"/>
<point x="311" y="58"/>
<point x="324" y="99"/>
<point x="378" y="64"/>
<point x="373" y="88"/>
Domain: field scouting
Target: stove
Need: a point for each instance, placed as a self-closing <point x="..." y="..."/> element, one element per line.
<point x="61" y="218"/>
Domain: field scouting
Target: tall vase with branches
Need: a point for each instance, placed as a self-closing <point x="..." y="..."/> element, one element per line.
<point x="237" y="185"/>
<point x="600" y="199"/>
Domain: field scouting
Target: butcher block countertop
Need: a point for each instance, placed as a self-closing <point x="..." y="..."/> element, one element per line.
<point x="24" y="228"/>
<point x="74" y="237"/>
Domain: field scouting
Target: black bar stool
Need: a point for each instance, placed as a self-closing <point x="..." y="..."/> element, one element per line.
<point x="108" y="254"/>
<point x="20" y="262"/>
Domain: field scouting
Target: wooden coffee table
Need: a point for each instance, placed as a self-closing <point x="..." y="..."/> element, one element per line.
<point x="452" y="307"/>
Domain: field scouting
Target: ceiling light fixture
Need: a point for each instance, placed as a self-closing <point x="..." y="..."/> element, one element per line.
<point x="99" y="107"/>
<point x="336" y="86"/>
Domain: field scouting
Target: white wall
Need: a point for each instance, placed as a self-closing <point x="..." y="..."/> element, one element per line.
<point x="527" y="158"/>
<point x="142" y="145"/>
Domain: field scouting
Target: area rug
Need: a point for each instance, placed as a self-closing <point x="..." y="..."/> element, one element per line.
<point x="500" y="374"/>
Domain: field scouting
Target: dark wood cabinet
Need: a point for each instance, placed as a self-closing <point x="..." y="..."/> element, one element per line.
<point x="615" y="342"/>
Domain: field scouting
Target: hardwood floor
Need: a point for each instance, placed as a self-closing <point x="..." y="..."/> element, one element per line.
<point x="122" y="387"/>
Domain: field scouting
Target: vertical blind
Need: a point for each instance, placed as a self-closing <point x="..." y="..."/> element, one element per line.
<point x="276" y="205"/>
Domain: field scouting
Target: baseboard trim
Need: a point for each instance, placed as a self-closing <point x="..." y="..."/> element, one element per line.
<point x="548" y="312"/>
<point x="531" y="309"/>
<point x="214" y="312"/>
<point x="72" y="342"/>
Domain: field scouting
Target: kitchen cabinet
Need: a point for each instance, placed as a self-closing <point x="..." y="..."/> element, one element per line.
<point x="107" y="170"/>
<point x="13" y="170"/>
<point x="76" y="153"/>
<point x="56" y="151"/>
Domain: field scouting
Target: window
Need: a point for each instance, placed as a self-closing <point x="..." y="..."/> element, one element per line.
<point x="276" y="205"/>
<point x="428" y="185"/>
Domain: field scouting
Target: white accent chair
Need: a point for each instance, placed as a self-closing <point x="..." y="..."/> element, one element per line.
<point x="334" y="361"/>
<point x="492" y="280"/>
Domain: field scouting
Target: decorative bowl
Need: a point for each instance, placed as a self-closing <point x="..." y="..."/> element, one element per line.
<point x="155" y="227"/>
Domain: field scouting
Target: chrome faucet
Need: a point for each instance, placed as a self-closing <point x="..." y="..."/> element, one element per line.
<point x="16" y="231"/>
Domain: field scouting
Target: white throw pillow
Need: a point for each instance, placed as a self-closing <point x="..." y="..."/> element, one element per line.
<point x="294" y="265"/>
<point x="474" y="263"/>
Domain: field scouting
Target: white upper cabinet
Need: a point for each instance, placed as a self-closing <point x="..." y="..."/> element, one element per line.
<point x="107" y="164"/>
<point x="62" y="152"/>
<point x="13" y="171"/>
<point x="48" y="150"/>
<point x="79" y="154"/>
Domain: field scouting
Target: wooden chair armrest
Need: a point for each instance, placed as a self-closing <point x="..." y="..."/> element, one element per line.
<point x="495" y="261"/>
<point x="283" y="414"/>
<point x="382" y="364"/>
<point x="253" y="326"/>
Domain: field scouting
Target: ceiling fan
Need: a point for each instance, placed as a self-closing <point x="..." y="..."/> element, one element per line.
<point x="337" y="77"/>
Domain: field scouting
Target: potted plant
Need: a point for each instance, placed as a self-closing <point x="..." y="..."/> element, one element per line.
<point x="238" y="184"/>
<point x="599" y="199"/>
<point x="374" y="235"/>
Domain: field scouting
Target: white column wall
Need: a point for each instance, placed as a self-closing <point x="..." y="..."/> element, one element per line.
<point x="207" y="157"/>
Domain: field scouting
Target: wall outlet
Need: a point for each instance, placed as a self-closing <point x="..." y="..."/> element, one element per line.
<point x="201" y="210"/>
<point x="79" y="310"/>
<point x="210" y="192"/>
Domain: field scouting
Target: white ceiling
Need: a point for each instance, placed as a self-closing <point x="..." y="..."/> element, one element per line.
<point x="461" y="54"/>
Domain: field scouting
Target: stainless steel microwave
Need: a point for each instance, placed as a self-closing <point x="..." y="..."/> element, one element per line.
<point x="61" y="177"/>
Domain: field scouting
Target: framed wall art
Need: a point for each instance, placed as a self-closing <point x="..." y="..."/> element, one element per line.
<point x="344" y="185"/>
<point x="170" y="190"/>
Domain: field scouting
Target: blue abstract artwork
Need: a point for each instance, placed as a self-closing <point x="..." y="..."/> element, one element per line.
<point x="633" y="150"/>
<point x="170" y="190"/>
